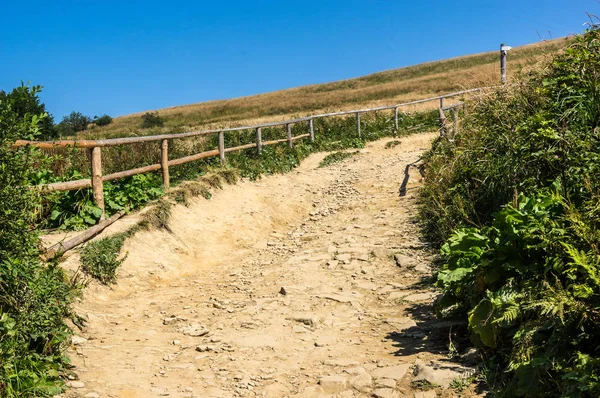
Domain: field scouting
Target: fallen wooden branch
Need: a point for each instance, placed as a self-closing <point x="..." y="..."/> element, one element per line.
<point x="62" y="247"/>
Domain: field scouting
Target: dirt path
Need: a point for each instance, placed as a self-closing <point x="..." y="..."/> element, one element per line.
<point x="283" y="287"/>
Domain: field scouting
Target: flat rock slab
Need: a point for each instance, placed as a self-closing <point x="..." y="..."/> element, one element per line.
<point x="362" y="382"/>
<point x="391" y="372"/>
<point x="385" y="393"/>
<point x="438" y="374"/>
<point x="323" y="341"/>
<point x="341" y="362"/>
<point x="401" y="324"/>
<point x="333" y="384"/>
<point x="425" y="394"/>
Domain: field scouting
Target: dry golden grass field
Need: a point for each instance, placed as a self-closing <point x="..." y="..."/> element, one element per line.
<point x="383" y="88"/>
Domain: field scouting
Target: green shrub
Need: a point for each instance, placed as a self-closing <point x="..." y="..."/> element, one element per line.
<point x="336" y="157"/>
<point x="25" y="101"/>
<point x="515" y="199"/>
<point x="34" y="297"/>
<point x="100" y="258"/>
<point x="103" y="120"/>
<point x="152" y="119"/>
<point x="75" y="121"/>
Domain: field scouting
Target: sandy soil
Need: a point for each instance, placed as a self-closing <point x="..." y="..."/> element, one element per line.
<point x="283" y="287"/>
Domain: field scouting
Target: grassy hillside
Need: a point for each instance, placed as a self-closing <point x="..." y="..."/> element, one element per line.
<point x="398" y="85"/>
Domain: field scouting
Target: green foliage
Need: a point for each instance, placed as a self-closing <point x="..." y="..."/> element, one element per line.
<point x="515" y="199"/>
<point x="100" y="258"/>
<point x="152" y="119"/>
<point x="74" y="123"/>
<point x="103" y="120"/>
<point x="158" y="216"/>
<point x="34" y="297"/>
<point x="336" y="157"/>
<point x="392" y="144"/>
<point x="75" y="210"/>
<point x="26" y="103"/>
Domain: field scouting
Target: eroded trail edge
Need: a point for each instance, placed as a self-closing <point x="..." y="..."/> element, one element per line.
<point x="306" y="284"/>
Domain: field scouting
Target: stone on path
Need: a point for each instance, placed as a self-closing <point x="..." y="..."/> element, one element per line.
<point x="385" y="393"/>
<point x="391" y="372"/>
<point x="333" y="384"/>
<point x="362" y="382"/>
<point x="323" y="341"/>
<point x="76" y="384"/>
<point x="438" y="374"/>
<point x="425" y="394"/>
<point x="404" y="261"/>
<point x="385" y="383"/>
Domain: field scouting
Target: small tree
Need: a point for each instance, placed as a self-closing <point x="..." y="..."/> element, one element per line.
<point x="77" y="121"/>
<point x="103" y="120"/>
<point x="151" y="119"/>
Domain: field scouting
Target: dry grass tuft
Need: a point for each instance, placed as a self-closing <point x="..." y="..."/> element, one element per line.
<point x="213" y="180"/>
<point x="158" y="216"/>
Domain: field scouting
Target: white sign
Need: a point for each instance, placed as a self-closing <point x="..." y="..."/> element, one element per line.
<point x="505" y="48"/>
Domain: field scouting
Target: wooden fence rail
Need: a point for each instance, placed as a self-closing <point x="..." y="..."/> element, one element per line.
<point x="94" y="146"/>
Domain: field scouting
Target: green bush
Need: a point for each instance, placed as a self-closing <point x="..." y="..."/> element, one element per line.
<point x="515" y="199"/>
<point x="152" y="119"/>
<point x="34" y="297"/>
<point x="336" y="157"/>
<point x="103" y="120"/>
<point x="100" y="258"/>
<point x="25" y="101"/>
<point x="74" y="122"/>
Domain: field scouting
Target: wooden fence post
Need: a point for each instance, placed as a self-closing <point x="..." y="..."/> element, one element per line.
<point x="442" y="123"/>
<point x="97" y="186"/>
<point x="396" y="119"/>
<point x="312" y="130"/>
<point x="259" y="140"/>
<point x="222" y="147"/>
<point x="289" y="135"/>
<point x="441" y="103"/>
<point x="455" y="129"/>
<point x="358" y="123"/>
<point x="164" y="163"/>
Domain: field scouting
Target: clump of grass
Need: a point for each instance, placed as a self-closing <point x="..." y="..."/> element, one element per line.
<point x="336" y="157"/>
<point x="158" y="216"/>
<point x="213" y="180"/>
<point x="231" y="176"/>
<point x="100" y="258"/>
<point x="190" y="189"/>
<point x="392" y="144"/>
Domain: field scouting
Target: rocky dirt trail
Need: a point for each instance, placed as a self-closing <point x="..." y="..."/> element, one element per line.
<point x="301" y="285"/>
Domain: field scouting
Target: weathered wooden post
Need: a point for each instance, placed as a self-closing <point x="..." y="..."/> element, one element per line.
<point x="441" y="102"/>
<point x="442" y="123"/>
<point x="396" y="119"/>
<point x="455" y="129"/>
<point x="358" y="123"/>
<point x="97" y="186"/>
<point x="259" y="140"/>
<point x="312" y="130"/>
<point x="288" y="128"/>
<point x="164" y="163"/>
<point x="222" y="147"/>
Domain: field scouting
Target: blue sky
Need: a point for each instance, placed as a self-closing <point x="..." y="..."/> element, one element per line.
<point x="119" y="57"/>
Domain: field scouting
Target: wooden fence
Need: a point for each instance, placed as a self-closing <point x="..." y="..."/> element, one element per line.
<point x="95" y="146"/>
